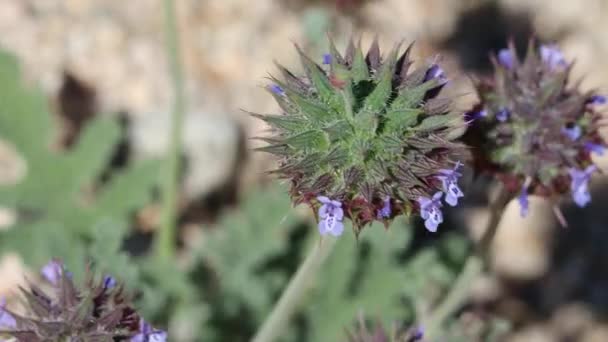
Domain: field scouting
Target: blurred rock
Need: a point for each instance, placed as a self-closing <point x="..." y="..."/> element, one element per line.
<point x="12" y="272"/>
<point x="534" y="333"/>
<point x="521" y="245"/>
<point x="599" y="333"/>
<point x="210" y="143"/>
<point x="12" y="167"/>
<point x="571" y="320"/>
<point x="520" y="249"/>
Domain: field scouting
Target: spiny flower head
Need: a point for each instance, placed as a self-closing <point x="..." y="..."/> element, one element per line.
<point x="378" y="333"/>
<point x="533" y="128"/>
<point x="99" y="311"/>
<point x="365" y="136"/>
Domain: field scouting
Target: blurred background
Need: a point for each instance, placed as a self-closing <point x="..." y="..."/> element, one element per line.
<point x="84" y="126"/>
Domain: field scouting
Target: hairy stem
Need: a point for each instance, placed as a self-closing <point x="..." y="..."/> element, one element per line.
<point x="298" y="286"/>
<point x="165" y="243"/>
<point x="473" y="267"/>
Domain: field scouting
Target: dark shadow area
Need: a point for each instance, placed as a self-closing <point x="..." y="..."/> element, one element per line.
<point x="76" y="105"/>
<point x="486" y="29"/>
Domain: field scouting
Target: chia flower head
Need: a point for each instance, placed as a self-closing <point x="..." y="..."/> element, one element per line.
<point x="366" y="131"/>
<point x="378" y="333"/>
<point x="549" y="133"/>
<point x="97" y="311"/>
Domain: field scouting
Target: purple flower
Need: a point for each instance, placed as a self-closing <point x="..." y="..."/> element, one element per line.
<point x="330" y="217"/>
<point x="579" y="185"/>
<point x="7" y="321"/>
<point x="503" y="115"/>
<point x="52" y="271"/>
<point x="149" y="334"/>
<point x="595" y="148"/>
<point x="449" y="180"/>
<point x="277" y="89"/>
<point x="552" y="56"/>
<point x="327" y="59"/>
<point x="386" y="211"/>
<point x="475" y="115"/>
<point x="505" y="58"/>
<point x="109" y="282"/>
<point x="573" y="132"/>
<point x="597" y="100"/>
<point x="417" y="335"/>
<point x="436" y="72"/>
<point x="430" y="210"/>
<point x="523" y="202"/>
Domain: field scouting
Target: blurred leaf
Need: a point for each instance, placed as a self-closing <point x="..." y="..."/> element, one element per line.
<point x="245" y="241"/>
<point x="60" y="203"/>
<point x="359" y="276"/>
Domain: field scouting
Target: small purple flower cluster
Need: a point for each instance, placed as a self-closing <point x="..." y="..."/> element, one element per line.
<point x="52" y="272"/>
<point x="579" y="188"/>
<point x="331" y="214"/>
<point x="430" y="208"/>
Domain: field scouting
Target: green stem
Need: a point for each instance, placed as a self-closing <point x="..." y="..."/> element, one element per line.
<point x="298" y="286"/>
<point x="165" y="243"/>
<point x="473" y="267"/>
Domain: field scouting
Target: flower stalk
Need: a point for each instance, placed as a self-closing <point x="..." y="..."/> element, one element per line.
<point x="165" y="243"/>
<point x="298" y="286"/>
<point x="473" y="267"/>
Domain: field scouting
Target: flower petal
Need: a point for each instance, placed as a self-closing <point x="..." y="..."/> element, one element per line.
<point x="338" y="229"/>
<point x="323" y="199"/>
<point x="431" y="225"/>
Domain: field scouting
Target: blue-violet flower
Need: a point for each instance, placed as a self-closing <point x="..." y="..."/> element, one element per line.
<point x="595" y="148"/>
<point x="7" y="321"/>
<point x="573" y="132"/>
<point x="436" y="72"/>
<point x="449" y="180"/>
<point x="597" y="100"/>
<point x="277" y="89"/>
<point x="580" y="185"/>
<point x="149" y="334"/>
<point x="505" y="58"/>
<point x="502" y="115"/>
<point x="385" y="211"/>
<point x="109" y="282"/>
<point x="330" y="217"/>
<point x="552" y="56"/>
<point x="430" y="210"/>
<point x="52" y="271"/>
<point x="524" y="205"/>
